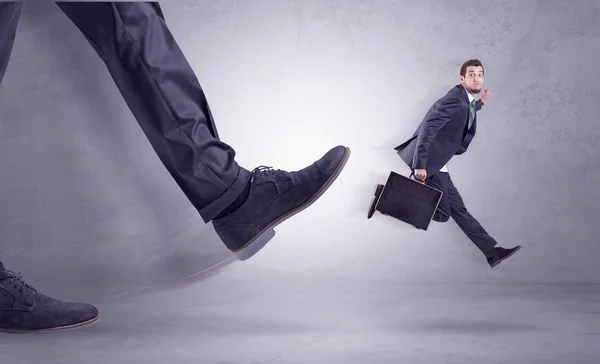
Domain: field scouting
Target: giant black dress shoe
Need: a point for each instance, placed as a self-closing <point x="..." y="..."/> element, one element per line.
<point x="23" y="309"/>
<point x="275" y="196"/>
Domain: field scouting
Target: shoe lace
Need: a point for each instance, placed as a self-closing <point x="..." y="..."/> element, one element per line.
<point x="17" y="282"/>
<point x="261" y="169"/>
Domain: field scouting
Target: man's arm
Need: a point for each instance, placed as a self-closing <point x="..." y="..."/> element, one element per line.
<point x="485" y="93"/>
<point x="478" y="105"/>
<point x="440" y="116"/>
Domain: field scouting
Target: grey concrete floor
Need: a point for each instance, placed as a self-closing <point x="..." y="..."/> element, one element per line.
<point x="249" y="315"/>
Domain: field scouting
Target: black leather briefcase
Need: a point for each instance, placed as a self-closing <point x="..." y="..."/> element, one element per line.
<point x="407" y="200"/>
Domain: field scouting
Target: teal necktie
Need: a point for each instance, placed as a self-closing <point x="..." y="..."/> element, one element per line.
<point x="471" y="114"/>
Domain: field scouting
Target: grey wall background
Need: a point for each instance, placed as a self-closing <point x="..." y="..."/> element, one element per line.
<point x="85" y="201"/>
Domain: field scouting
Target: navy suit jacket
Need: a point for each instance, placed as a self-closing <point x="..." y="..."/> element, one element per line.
<point x="442" y="134"/>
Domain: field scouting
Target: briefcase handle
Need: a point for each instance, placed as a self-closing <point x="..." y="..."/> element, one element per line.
<point x="412" y="175"/>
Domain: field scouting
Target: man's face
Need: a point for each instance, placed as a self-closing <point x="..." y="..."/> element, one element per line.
<point x="473" y="79"/>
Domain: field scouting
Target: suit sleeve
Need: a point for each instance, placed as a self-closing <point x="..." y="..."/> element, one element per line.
<point x="478" y="105"/>
<point x="440" y="116"/>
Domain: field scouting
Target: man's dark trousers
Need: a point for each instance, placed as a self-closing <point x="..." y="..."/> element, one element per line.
<point x="161" y="90"/>
<point x="452" y="205"/>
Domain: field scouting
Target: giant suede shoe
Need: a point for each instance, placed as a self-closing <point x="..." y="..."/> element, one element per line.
<point x="274" y="197"/>
<point x="23" y="309"/>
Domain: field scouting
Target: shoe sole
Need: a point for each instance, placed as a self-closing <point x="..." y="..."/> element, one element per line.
<point x="266" y="234"/>
<point x="58" y="328"/>
<point x="506" y="257"/>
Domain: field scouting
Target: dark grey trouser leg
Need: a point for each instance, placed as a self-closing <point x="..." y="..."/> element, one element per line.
<point x="457" y="210"/>
<point x="164" y="94"/>
<point x="442" y="213"/>
<point x="10" y="12"/>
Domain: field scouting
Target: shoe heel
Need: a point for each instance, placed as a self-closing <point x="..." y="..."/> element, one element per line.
<point x="255" y="246"/>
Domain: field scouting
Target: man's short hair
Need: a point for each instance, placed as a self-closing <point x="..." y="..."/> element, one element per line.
<point x="471" y="62"/>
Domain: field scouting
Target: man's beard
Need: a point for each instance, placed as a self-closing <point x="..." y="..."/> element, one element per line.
<point x="474" y="91"/>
